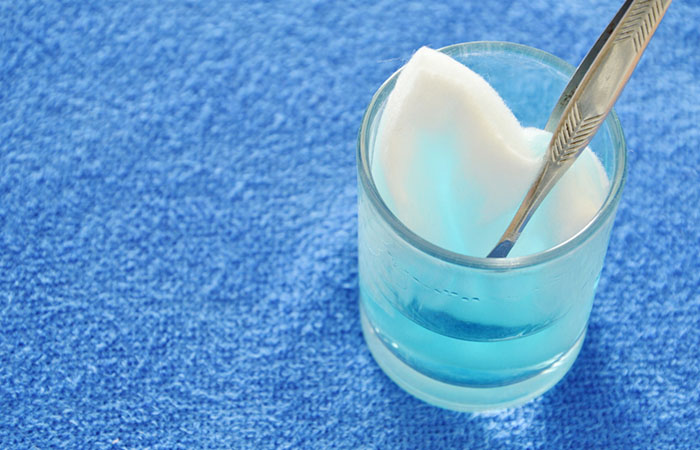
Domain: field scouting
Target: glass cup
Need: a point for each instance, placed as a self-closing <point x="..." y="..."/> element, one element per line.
<point x="468" y="333"/>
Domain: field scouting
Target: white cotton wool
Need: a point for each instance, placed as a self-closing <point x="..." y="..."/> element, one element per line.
<point x="452" y="162"/>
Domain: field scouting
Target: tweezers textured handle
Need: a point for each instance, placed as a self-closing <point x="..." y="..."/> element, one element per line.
<point x="576" y="133"/>
<point x="641" y="21"/>
<point x="604" y="79"/>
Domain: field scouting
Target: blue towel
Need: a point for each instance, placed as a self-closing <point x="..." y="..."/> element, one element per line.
<point x="178" y="229"/>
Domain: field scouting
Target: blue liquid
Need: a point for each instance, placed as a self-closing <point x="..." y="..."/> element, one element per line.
<point x="468" y="330"/>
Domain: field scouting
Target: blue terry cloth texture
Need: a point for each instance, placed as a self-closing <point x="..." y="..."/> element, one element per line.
<point x="178" y="229"/>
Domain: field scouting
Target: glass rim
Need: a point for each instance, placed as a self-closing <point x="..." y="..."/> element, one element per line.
<point x="436" y="251"/>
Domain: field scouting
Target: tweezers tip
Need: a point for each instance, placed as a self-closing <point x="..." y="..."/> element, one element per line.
<point x="501" y="250"/>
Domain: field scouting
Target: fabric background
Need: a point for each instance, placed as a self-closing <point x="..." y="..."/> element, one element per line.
<point x="178" y="219"/>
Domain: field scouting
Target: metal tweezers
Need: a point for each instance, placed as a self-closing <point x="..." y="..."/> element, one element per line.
<point x="586" y="102"/>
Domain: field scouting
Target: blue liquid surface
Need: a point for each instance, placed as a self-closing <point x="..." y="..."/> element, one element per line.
<point x="473" y="330"/>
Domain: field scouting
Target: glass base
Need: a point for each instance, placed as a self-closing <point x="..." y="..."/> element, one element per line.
<point x="461" y="398"/>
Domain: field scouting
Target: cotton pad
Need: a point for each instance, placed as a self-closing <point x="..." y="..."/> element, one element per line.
<point x="452" y="162"/>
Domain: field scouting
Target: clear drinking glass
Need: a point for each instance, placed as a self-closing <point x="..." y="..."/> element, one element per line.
<point x="469" y="333"/>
